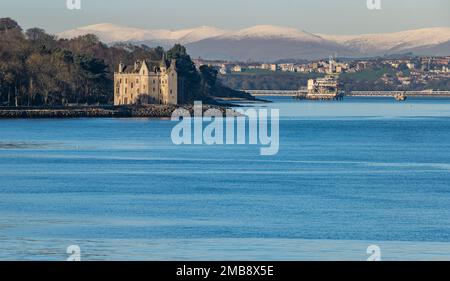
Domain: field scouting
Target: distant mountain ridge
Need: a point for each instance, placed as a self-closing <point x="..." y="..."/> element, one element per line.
<point x="271" y="43"/>
<point x="112" y="33"/>
<point x="393" y="42"/>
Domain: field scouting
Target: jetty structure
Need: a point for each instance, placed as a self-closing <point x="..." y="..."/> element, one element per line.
<point x="326" y="88"/>
<point x="400" y="97"/>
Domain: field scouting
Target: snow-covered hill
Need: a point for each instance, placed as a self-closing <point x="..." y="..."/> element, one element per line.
<point x="269" y="43"/>
<point x="270" y="32"/>
<point x="393" y="42"/>
<point x="111" y="33"/>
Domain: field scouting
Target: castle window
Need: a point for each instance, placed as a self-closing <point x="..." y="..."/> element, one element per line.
<point x="137" y="81"/>
<point x="125" y="90"/>
<point x="132" y="85"/>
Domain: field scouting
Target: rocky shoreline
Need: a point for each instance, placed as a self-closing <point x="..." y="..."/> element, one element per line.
<point x="145" y="111"/>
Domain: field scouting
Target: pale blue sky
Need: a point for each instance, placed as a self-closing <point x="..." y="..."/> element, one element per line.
<point x="317" y="16"/>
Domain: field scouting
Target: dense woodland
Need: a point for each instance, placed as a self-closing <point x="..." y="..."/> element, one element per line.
<point x="38" y="69"/>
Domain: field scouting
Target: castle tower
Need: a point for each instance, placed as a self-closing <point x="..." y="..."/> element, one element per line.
<point x="146" y="83"/>
<point x="121" y="67"/>
<point x="162" y="64"/>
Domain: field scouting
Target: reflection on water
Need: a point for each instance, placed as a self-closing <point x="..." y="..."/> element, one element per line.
<point x="27" y="145"/>
<point x="221" y="249"/>
<point x="350" y="107"/>
<point x="348" y="175"/>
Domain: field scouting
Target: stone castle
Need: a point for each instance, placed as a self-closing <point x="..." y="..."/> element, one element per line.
<point x="146" y="83"/>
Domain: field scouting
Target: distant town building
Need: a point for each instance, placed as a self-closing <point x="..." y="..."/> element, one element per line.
<point x="363" y="65"/>
<point x="224" y="69"/>
<point x="199" y="62"/>
<point x="287" y="67"/>
<point x="441" y="60"/>
<point x="146" y="83"/>
<point x="410" y="65"/>
<point x="404" y="80"/>
<point x="265" y="66"/>
<point x="237" y="68"/>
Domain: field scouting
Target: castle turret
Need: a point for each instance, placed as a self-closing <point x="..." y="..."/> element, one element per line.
<point x="173" y="64"/>
<point x="162" y="65"/>
<point x="121" y="67"/>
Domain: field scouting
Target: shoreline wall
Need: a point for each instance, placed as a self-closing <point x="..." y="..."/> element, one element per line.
<point x="147" y="111"/>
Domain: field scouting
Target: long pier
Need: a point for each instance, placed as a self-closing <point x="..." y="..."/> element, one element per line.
<point x="302" y="92"/>
<point x="299" y="94"/>
<point x="276" y="93"/>
<point x="395" y="93"/>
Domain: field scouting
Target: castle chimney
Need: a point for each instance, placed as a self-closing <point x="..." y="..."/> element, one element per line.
<point x="121" y="67"/>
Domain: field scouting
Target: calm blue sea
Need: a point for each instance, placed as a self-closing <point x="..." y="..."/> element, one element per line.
<point x="348" y="175"/>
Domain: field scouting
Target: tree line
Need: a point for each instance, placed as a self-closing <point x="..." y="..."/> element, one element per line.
<point x="39" y="69"/>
